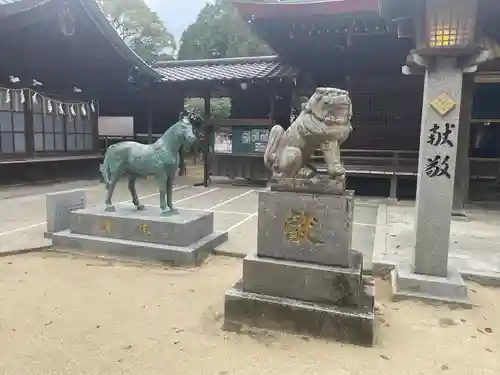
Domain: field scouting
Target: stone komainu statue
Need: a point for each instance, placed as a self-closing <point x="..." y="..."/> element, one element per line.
<point x="324" y="123"/>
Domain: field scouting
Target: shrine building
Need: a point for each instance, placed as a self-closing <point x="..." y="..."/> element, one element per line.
<point x="423" y="78"/>
<point x="349" y="44"/>
<point x="363" y="47"/>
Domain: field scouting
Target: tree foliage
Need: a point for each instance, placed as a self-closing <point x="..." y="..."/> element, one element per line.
<point x="220" y="32"/>
<point x="140" y="28"/>
<point x="220" y="108"/>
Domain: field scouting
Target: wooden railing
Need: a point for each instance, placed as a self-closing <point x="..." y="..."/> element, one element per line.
<point x="484" y="168"/>
<point x="402" y="162"/>
<point x="393" y="164"/>
<point x="368" y="162"/>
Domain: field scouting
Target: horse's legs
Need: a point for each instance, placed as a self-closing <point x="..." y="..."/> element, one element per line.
<point x="133" y="192"/>
<point x="161" y="180"/>
<point x="111" y="189"/>
<point x="170" y="183"/>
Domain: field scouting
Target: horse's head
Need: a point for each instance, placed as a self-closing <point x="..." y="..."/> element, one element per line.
<point x="193" y="116"/>
<point x="186" y="133"/>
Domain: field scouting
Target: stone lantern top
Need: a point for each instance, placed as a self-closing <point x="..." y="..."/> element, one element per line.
<point x="466" y="29"/>
<point x="438" y="26"/>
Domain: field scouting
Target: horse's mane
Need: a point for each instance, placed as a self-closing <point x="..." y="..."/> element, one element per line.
<point x="160" y="141"/>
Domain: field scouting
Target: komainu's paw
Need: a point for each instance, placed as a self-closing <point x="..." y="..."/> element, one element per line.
<point x="336" y="170"/>
<point x="305" y="173"/>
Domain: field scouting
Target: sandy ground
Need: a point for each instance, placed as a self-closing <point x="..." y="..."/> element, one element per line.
<point x="62" y="314"/>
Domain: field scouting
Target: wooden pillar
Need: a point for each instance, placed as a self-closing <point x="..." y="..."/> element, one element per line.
<point x="462" y="174"/>
<point x="206" y="140"/>
<point x="64" y="118"/>
<point x="150" y="124"/>
<point x="272" y="107"/>
<point x="94" y="118"/>
<point x="182" y="163"/>
<point x="29" y="134"/>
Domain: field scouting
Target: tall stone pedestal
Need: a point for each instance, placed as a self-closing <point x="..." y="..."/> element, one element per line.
<point x="184" y="238"/>
<point x="304" y="278"/>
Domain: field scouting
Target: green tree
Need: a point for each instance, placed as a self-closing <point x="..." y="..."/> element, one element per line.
<point x="220" y="32"/>
<point x="220" y="108"/>
<point x="140" y="28"/>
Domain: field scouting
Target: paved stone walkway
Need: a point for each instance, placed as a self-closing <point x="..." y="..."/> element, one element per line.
<point x="475" y="241"/>
<point x="235" y="210"/>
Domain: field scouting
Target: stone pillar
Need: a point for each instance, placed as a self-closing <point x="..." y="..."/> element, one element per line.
<point x="429" y="277"/>
<point x="462" y="175"/>
<point x="436" y="171"/>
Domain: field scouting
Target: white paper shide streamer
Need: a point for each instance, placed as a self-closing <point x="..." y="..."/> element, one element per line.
<point x="17" y="96"/>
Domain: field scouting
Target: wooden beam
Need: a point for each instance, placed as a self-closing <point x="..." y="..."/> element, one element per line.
<point x="462" y="173"/>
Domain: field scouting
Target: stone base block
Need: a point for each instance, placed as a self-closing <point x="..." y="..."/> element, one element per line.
<point x="451" y="289"/>
<point x="316" y="185"/>
<point x="183" y="238"/>
<point x="244" y="309"/>
<point x="305" y="227"/>
<point x="181" y="228"/>
<point x="59" y="206"/>
<point x="305" y="281"/>
<point x="189" y="256"/>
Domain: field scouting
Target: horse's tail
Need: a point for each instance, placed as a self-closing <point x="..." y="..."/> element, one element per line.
<point x="105" y="172"/>
<point x="272" y="146"/>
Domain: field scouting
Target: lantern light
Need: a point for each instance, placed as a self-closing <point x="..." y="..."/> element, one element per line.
<point x="449" y="24"/>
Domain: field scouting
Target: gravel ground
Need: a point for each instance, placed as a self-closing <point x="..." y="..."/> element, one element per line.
<point x="63" y="314"/>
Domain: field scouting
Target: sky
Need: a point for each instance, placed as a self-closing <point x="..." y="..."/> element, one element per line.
<point x="177" y="15"/>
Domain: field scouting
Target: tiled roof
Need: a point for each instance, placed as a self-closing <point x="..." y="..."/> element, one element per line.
<point x="224" y="69"/>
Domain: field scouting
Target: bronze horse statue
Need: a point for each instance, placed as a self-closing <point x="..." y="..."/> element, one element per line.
<point x="161" y="160"/>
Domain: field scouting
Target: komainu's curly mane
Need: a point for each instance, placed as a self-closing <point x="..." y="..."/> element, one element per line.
<point x="323" y="123"/>
<point x="325" y="110"/>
